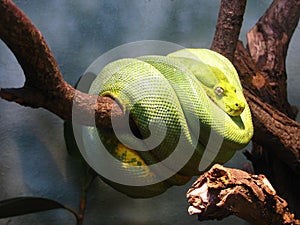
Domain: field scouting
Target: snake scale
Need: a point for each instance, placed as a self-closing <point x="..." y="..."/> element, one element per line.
<point x="179" y="101"/>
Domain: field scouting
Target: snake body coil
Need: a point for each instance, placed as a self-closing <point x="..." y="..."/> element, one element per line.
<point x="180" y="100"/>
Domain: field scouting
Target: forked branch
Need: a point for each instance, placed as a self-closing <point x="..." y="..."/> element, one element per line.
<point x="44" y="86"/>
<point x="272" y="127"/>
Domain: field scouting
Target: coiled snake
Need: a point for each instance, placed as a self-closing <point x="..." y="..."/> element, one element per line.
<point x="190" y="112"/>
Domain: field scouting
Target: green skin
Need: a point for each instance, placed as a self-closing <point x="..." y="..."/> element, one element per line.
<point x="226" y="98"/>
<point x="199" y="82"/>
<point x="216" y="85"/>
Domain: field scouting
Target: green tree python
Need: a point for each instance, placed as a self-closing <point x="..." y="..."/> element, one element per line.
<point x="178" y="102"/>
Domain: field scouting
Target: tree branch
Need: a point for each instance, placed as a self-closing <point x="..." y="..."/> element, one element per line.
<point x="268" y="121"/>
<point x="264" y="81"/>
<point x="271" y="125"/>
<point x="44" y="86"/>
<point x="228" y="27"/>
<point x="221" y="192"/>
<point x="23" y="39"/>
<point x="268" y="43"/>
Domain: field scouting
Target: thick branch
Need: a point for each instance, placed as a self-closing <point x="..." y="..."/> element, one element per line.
<point x="268" y="43"/>
<point x="29" y="47"/>
<point x="44" y="86"/>
<point x="221" y="192"/>
<point x="85" y="109"/>
<point x="271" y="126"/>
<point x="276" y="137"/>
<point x="228" y="27"/>
<point x="270" y="122"/>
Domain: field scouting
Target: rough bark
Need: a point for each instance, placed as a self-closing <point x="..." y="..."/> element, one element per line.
<point x="230" y="20"/>
<point x="221" y="192"/>
<point x="276" y="141"/>
<point x="44" y="86"/>
<point x="268" y="43"/>
<point x="271" y="125"/>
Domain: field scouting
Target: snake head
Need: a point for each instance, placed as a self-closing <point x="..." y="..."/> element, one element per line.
<point x="227" y="99"/>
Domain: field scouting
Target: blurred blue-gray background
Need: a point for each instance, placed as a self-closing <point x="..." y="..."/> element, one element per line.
<point x="33" y="156"/>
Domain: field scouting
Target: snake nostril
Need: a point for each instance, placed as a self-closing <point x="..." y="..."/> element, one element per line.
<point x="236" y="104"/>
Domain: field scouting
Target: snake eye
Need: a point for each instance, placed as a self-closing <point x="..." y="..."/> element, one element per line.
<point x="219" y="91"/>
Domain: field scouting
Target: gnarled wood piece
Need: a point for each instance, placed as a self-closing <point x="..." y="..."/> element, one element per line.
<point x="221" y="192"/>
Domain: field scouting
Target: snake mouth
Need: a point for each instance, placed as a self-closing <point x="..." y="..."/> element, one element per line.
<point x="235" y="109"/>
<point x="233" y="112"/>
